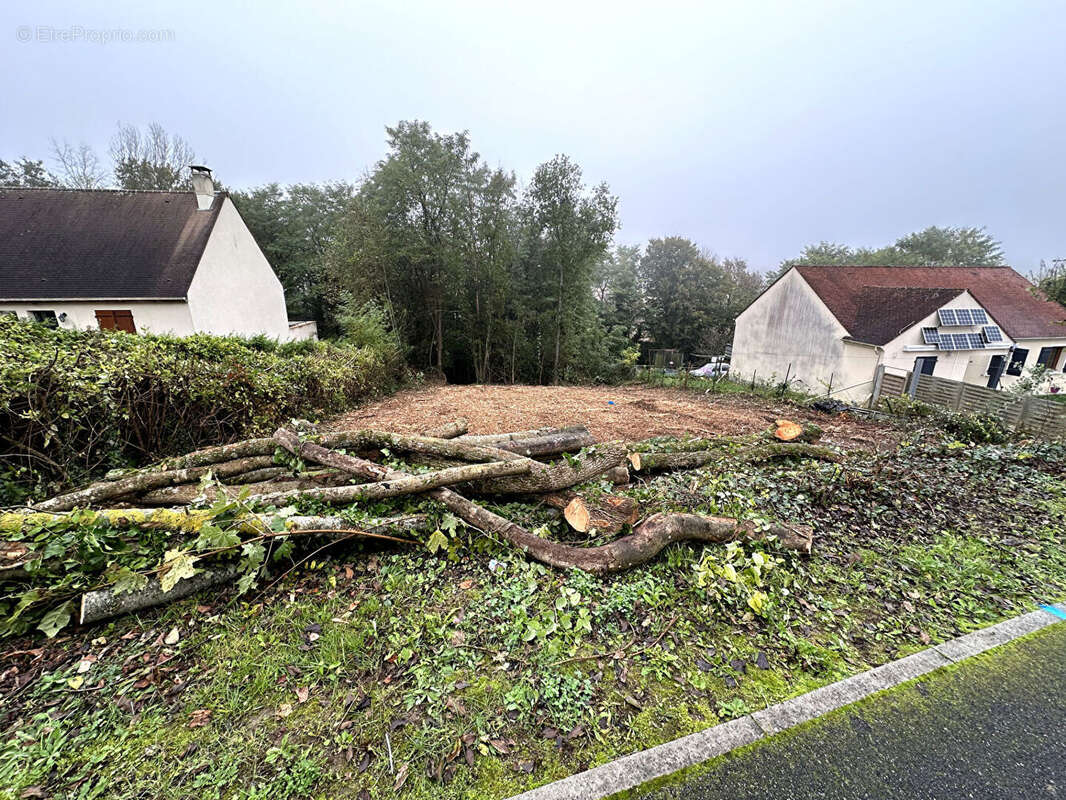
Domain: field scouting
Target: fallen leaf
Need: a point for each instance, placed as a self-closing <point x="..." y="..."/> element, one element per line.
<point x="76" y="682"/>
<point x="199" y="718"/>
<point x="84" y="666"/>
<point x="173" y="637"/>
<point x="401" y="777"/>
<point x="33" y="791"/>
<point x="284" y="710"/>
<point x="302" y="693"/>
<point x="925" y="637"/>
<point x="467" y="584"/>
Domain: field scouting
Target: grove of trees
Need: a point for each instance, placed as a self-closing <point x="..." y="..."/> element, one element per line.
<point x="482" y="278"/>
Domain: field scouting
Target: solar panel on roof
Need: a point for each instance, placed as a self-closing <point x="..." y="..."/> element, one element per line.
<point x="930" y="335"/>
<point x="963" y="316"/>
<point x="974" y="341"/>
<point x="992" y="333"/>
<point x="947" y="342"/>
<point x="947" y="316"/>
<point x="979" y="316"/>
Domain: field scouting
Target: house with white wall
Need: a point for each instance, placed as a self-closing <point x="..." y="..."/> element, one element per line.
<point x="829" y="328"/>
<point x="138" y="261"/>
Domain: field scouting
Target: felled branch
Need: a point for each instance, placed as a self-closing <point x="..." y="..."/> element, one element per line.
<point x="410" y="484"/>
<point x="104" y="603"/>
<point x="147" y="480"/>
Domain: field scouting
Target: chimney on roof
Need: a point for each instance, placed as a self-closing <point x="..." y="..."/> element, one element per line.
<point x="203" y="186"/>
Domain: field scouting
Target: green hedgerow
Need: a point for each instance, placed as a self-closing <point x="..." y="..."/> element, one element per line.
<point x="74" y="403"/>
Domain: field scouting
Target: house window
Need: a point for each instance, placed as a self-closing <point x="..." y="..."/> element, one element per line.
<point x="1049" y="356"/>
<point x="116" y="321"/>
<point x="47" y="318"/>
<point x="1017" y="361"/>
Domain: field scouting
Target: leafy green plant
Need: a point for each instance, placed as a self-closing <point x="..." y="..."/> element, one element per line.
<point x="75" y="403"/>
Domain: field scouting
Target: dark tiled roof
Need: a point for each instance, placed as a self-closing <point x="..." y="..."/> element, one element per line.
<point x="883" y="313"/>
<point x="71" y="244"/>
<point x="863" y="299"/>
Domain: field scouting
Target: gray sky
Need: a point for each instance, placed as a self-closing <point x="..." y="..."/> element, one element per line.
<point x="753" y="128"/>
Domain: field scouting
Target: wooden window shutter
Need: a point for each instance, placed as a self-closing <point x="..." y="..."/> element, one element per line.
<point x="116" y="321"/>
<point x="124" y="321"/>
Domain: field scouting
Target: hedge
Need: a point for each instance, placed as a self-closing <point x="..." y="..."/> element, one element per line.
<point x="74" y="404"/>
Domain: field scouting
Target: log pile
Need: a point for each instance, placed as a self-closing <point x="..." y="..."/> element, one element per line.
<point x="342" y="468"/>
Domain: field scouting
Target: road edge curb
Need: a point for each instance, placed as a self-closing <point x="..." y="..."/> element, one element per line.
<point x="636" y="769"/>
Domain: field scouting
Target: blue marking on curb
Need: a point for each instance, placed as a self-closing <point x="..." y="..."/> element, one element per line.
<point x="1057" y="612"/>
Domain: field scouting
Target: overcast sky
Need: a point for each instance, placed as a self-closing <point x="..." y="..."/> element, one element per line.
<point x="752" y="128"/>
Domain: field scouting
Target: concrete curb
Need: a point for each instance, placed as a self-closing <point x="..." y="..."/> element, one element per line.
<point x="629" y="772"/>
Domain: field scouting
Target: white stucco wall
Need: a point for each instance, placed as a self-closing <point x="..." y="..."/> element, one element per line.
<point x="235" y="291"/>
<point x="151" y="316"/>
<point x="790" y="325"/>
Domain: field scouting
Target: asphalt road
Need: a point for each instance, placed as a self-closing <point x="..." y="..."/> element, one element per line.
<point x="992" y="728"/>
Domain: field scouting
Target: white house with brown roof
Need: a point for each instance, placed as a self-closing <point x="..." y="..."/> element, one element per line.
<point x="828" y="328"/>
<point x="139" y="261"/>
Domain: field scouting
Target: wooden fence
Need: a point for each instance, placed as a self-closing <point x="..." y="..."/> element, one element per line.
<point x="1040" y="416"/>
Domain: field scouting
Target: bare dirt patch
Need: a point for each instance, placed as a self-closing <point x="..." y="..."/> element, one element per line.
<point x="609" y="412"/>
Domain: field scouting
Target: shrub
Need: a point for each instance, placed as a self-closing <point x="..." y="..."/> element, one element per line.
<point x="975" y="427"/>
<point x="75" y="403"/>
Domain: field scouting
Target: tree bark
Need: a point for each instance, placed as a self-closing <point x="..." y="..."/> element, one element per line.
<point x="449" y="430"/>
<point x="105" y="603"/>
<point x="493" y="439"/>
<point x="568" y="440"/>
<point x="411" y="484"/>
<point x="658" y="462"/>
<point x="186" y="494"/>
<point x="145" y="481"/>
<point x="258" y="475"/>
<point x="559" y="475"/>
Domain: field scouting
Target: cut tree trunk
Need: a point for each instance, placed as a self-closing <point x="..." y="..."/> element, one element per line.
<point x="565" y="441"/>
<point x="411" y="484"/>
<point x="495" y="438"/>
<point x="766" y="452"/>
<point x="449" y="430"/>
<point x="105" y="603"/>
<point x="617" y="475"/>
<point x="608" y="513"/>
<point x="658" y="462"/>
<point x="148" y="480"/>
<point x="786" y="430"/>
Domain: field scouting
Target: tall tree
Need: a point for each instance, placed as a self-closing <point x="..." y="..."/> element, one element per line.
<point x="25" y="172"/>
<point x="691" y="296"/>
<point x="79" y="165"/>
<point x="1051" y="279"/>
<point x="567" y="229"/>
<point x="934" y="247"/>
<point x="150" y="159"/>
<point x="295" y="227"/>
